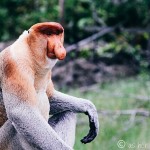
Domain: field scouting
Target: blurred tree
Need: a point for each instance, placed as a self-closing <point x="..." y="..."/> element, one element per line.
<point x="17" y="15"/>
<point x="61" y="11"/>
<point x="82" y="18"/>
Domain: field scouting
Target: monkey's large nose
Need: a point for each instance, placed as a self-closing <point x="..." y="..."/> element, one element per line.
<point x="55" y="48"/>
<point x="60" y="52"/>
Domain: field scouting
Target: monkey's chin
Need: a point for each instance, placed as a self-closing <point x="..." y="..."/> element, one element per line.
<point x="51" y="62"/>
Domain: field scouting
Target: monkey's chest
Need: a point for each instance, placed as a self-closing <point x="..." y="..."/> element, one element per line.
<point x="43" y="104"/>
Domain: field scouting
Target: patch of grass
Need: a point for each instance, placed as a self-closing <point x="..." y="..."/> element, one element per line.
<point x="118" y="95"/>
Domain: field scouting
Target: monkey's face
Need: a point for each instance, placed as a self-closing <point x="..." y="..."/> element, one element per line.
<point x="46" y="41"/>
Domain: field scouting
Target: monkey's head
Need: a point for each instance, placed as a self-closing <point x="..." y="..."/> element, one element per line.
<point x="46" y="41"/>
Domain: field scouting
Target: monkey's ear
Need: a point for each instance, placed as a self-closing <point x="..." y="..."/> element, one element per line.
<point x="48" y="28"/>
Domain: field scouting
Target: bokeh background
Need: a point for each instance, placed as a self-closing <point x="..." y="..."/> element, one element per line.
<point x="108" y="61"/>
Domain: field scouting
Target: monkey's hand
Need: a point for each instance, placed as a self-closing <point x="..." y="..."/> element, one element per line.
<point x="61" y="102"/>
<point x="93" y="123"/>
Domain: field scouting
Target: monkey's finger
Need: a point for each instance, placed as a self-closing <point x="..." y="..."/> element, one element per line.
<point x="88" y="138"/>
<point x="91" y="135"/>
<point x="93" y="124"/>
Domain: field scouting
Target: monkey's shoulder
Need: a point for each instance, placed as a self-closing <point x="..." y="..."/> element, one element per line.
<point x="12" y="66"/>
<point x="7" y="64"/>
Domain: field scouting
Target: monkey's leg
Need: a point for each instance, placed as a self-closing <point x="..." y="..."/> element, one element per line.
<point x="32" y="126"/>
<point x="65" y="125"/>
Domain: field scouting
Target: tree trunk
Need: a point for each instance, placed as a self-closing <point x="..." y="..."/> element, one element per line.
<point x="61" y="11"/>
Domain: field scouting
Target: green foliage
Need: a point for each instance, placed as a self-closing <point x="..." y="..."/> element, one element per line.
<point x="19" y="15"/>
<point x="119" y="95"/>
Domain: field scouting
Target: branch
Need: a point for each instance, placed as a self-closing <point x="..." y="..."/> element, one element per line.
<point x="89" y="39"/>
<point x="130" y="30"/>
<point x="95" y="88"/>
<point x="95" y="15"/>
<point x="132" y="113"/>
<point x="136" y="112"/>
<point x="136" y="30"/>
<point x="141" y="98"/>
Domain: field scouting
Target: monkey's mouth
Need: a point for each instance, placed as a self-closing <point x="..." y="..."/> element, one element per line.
<point x="51" y="55"/>
<point x="56" y="53"/>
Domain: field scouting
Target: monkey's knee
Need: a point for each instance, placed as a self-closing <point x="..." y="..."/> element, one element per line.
<point x="62" y="117"/>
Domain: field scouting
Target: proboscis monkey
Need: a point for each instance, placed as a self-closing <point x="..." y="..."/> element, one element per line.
<point x="28" y="95"/>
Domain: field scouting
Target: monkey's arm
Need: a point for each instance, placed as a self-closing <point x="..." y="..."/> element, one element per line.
<point x="26" y="118"/>
<point x="60" y="102"/>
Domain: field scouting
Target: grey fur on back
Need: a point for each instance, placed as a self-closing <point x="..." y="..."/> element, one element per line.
<point x="63" y="121"/>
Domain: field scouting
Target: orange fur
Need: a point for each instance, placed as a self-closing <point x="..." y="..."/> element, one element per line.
<point x="14" y="79"/>
<point x="48" y="28"/>
<point x="52" y="34"/>
<point x="25" y="68"/>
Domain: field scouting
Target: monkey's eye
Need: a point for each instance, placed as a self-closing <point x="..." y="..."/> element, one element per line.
<point x="48" y="33"/>
<point x="57" y="32"/>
